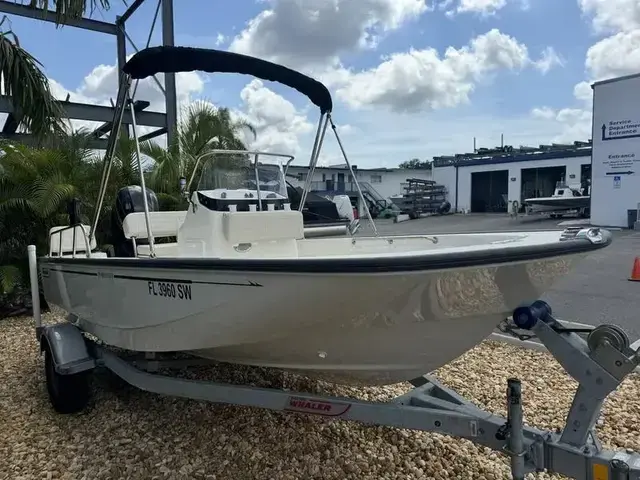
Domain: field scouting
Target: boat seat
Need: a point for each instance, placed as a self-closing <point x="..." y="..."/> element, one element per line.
<point x="61" y="240"/>
<point x="163" y="224"/>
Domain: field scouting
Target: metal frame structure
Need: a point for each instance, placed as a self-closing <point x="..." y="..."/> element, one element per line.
<point x="163" y="122"/>
<point x="599" y="364"/>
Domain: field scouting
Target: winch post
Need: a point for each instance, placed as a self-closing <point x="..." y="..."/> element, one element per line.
<point x="516" y="429"/>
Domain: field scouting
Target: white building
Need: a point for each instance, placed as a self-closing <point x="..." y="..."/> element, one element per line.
<point x="380" y="183"/>
<point x="615" y="189"/>
<point x="490" y="183"/>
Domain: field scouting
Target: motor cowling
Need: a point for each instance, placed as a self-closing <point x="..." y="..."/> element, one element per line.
<point x="129" y="200"/>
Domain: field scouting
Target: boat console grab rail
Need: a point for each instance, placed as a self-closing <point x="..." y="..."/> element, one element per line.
<point x="390" y="238"/>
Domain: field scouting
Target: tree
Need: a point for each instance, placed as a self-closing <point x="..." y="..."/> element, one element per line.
<point x="28" y="87"/>
<point x="416" y="163"/>
<point x="21" y="75"/>
<point x="35" y="186"/>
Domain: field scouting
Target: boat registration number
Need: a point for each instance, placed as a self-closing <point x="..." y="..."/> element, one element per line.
<point x="177" y="290"/>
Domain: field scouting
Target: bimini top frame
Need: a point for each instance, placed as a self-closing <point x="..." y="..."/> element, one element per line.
<point x="170" y="59"/>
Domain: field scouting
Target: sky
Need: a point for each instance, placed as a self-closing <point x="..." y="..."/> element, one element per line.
<point x="409" y="78"/>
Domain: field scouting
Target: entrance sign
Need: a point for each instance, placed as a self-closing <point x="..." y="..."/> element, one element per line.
<point x="615" y="159"/>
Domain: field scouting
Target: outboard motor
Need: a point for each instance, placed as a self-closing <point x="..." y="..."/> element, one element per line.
<point x="73" y="210"/>
<point x="129" y="200"/>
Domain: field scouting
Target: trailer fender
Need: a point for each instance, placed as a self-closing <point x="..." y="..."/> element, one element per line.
<point x="68" y="348"/>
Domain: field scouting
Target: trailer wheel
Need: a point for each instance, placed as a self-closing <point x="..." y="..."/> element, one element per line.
<point x="67" y="393"/>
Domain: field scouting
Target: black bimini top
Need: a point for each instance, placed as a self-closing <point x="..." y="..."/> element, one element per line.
<point x="151" y="61"/>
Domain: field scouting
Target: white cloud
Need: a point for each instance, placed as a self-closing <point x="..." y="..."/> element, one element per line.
<point x="614" y="56"/>
<point x="610" y="16"/>
<point x="545" y="113"/>
<point x="583" y="93"/>
<point x="549" y="59"/>
<point x="279" y="125"/>
<point x="346" y="129"/>
<point x="483" y="8"/>
<point x="308" y="33"/>
<point x="220" y="39"/>
<point x="571" y="123"/>
<point x="314" y="36"/>
<point x="422" y="79"/>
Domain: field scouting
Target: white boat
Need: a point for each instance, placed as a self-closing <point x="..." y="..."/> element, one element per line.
<point x="565" y="198"/>
<point x="239" y="282"/>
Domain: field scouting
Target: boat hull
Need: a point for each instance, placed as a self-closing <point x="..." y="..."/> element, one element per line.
<point x="557" y="203"/>
<point x="351" y="328"/>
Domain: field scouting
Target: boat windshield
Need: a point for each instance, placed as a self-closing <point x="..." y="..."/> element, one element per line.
<point x="238" y="171"/>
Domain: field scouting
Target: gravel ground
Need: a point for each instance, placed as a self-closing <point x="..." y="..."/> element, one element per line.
<point x="129" y="434"/>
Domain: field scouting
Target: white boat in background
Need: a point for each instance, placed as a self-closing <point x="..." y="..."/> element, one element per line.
<point x="565" y="198"/>
<point x="238" y="281"/>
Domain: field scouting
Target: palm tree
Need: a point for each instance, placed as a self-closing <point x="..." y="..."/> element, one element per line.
<point x="35" y="186"/>
<point x="21" y="75"/>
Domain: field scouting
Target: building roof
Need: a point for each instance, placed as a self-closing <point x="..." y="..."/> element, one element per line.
<point x="508" y="154"/>
<point x="355" y="167"/>
<point x="616" y="79"/>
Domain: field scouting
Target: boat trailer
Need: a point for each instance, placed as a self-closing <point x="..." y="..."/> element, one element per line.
<point x="598" y="363"/>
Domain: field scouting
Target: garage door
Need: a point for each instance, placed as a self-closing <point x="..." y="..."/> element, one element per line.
<point x="489" y="191"/>
<point x="541" y="182"/>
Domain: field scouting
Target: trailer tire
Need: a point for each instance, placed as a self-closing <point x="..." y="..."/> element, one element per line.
<point x="67" y="393"/>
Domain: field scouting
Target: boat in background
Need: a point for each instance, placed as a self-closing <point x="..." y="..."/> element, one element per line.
<point x="565" y="199"/>
<point x="236" y="278"/>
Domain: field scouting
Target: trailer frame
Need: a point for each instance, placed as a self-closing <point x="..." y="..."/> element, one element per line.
<point x="599" y="363"/>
